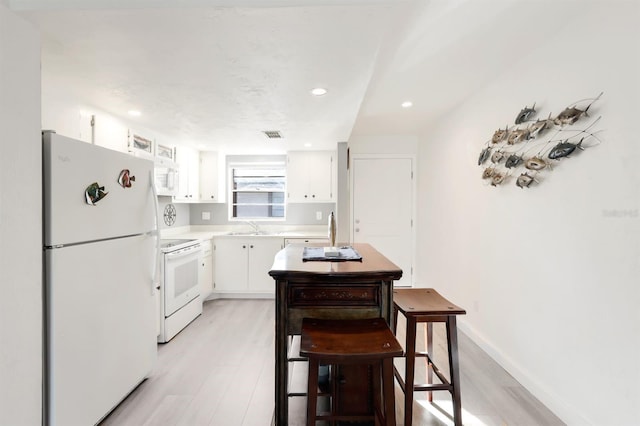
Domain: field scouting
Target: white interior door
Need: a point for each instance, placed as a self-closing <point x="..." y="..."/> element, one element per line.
<point x="382" y="210"/>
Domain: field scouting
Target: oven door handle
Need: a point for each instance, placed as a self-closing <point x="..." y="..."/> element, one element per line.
<point x="182" y="253"/>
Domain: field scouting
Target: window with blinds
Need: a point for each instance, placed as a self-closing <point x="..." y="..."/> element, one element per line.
<point x="258" y="192"/>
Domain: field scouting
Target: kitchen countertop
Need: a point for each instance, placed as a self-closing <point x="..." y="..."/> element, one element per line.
<point x="205" y="232"/>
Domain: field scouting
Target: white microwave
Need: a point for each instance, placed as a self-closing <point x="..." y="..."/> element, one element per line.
<point x="166" y="176"/>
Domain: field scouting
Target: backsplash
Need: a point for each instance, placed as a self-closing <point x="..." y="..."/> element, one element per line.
<point x="297" y="214"/>
<point x="184" y="214"/>
<point x="180" y="213"/>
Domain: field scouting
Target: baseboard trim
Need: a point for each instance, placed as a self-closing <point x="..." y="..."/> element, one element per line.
<point x="215" y="295"/>
<point x="568" y="414"/>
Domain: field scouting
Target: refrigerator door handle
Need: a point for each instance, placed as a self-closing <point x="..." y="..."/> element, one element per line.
<point x="156" y="233"/>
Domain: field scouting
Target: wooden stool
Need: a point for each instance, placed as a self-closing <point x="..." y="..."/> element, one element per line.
<point x="428" y="306"/>
<point x="340" y="342"/>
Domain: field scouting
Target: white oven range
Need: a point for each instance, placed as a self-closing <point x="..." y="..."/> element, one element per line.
<point x="180" y="301"/>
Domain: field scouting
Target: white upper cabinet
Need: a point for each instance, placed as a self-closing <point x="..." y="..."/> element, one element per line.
<point x="209" y="180"/>
<point x="188" y="160"/>
<point x="310" y="176"/>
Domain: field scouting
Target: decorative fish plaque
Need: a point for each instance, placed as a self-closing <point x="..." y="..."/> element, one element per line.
<point x="94" y="193"/>
<point x="125" y="178"/>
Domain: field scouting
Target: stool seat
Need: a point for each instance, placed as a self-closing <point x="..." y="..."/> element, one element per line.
<point x="360" y="341"/>
<point x="424" y="301"/>
<point x="426" y="305"/>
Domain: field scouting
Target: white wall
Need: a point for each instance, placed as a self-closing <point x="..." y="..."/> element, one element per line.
<point x="549" y="275"/>
<point x="383" y="144"/>
<point x="20" y="223"/>
<point x="69" y="115"/>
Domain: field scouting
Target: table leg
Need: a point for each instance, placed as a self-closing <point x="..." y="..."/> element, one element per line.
<point x="281" y="367"/>
<point x="395" y="320"/>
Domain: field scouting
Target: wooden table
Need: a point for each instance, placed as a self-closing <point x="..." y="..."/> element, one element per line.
<point x="319" y="289"/>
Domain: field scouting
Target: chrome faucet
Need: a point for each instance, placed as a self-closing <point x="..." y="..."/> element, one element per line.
<point x="254" y="226"/>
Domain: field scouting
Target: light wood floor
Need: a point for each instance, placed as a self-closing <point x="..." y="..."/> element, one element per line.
<point x="219" y="371"/>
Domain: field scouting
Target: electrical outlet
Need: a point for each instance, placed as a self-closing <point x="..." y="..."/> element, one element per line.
<point x="318" y="215"/>
<point x="206" y="215"/>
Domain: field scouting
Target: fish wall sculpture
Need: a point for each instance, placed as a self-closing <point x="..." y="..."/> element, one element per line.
<point x="534" y="146"/>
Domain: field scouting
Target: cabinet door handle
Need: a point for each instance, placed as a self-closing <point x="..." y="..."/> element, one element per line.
<point x="244" y="246"/>
<point x="251" y="246"/>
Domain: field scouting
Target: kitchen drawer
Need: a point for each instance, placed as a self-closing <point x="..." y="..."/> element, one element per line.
<point x="356" y="295"/>
<point x="299" y="240"/>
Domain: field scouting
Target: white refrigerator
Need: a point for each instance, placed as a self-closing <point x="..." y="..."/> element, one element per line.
<point x="100" y="260"/>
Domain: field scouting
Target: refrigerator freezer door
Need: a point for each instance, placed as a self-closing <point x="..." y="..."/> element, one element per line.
<point x="70" y="167"/>
<point x="101" y="326"/>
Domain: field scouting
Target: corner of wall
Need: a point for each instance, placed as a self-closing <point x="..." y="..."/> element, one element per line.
<point x="21" y="393"/>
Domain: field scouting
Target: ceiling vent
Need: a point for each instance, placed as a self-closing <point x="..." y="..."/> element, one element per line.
<point x="273" y="134"/>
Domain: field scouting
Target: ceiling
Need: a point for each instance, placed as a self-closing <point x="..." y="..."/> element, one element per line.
<point x="215" y="74"/>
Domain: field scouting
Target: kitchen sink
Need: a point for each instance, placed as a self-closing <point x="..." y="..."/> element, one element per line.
<point x="249" y="233"/>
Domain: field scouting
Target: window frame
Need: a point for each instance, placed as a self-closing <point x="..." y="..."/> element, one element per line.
<point x="231" y="166"/>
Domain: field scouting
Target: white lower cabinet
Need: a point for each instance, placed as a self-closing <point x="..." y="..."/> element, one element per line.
<point x="206" y="269"/>
<point x="242" y="265"/>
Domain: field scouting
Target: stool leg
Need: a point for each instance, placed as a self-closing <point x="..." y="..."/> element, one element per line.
<point x="428" y="337"/>
<point x="452" y="339"/>
<point x="410" y="364"/>
<point x="387" y="391"/>
<point x="312" y="392"/>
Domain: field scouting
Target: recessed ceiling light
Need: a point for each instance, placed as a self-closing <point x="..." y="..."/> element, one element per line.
<point x="407" y="104"/>
<point x="134" y="113"/>
<point x="319" y="91"/>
